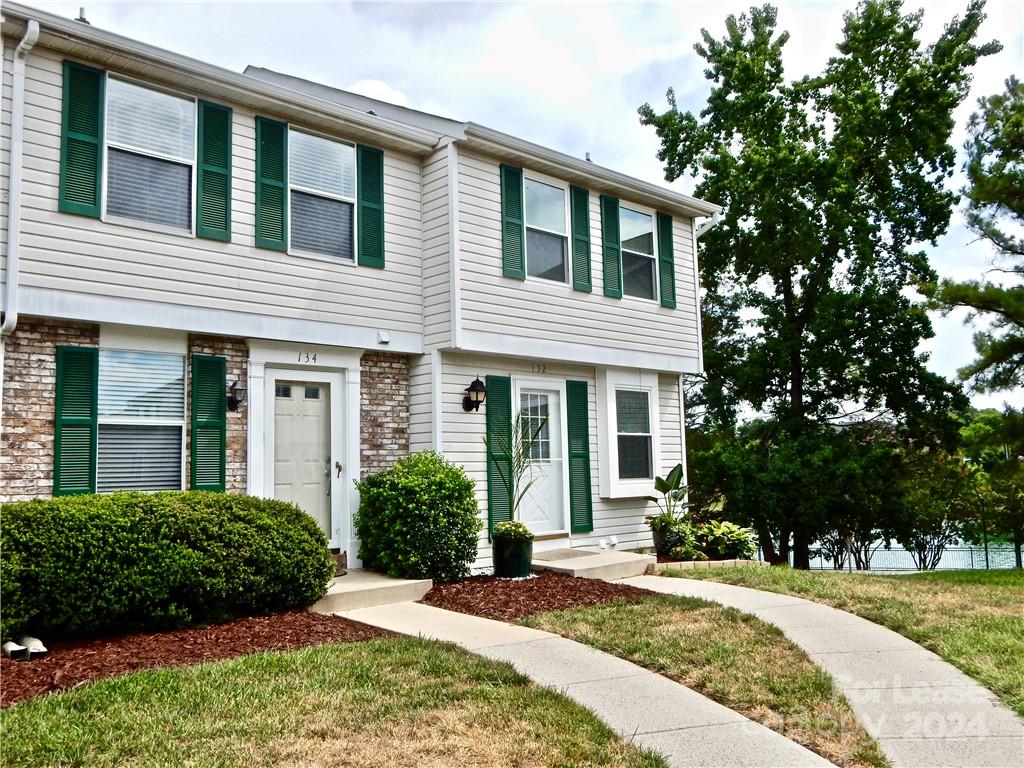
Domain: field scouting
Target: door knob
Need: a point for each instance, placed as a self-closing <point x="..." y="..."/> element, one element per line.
<point x="337" y="466"/>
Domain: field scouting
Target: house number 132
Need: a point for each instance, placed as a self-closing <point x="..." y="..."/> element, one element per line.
<point x="305" y="357"/>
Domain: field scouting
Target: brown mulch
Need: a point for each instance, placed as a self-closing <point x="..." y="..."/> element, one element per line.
<point x="71" y="663"/>
<point x="514" y="599"/>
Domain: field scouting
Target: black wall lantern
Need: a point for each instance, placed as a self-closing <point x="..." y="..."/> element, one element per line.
<point x="236" y="395"/>
<point x="475" y="394"/>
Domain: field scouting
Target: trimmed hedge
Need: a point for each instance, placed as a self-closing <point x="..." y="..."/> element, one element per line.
<point x="93" y="564"/>
<point x="419" y="519"/>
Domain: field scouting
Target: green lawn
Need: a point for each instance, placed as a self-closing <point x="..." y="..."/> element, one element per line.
<point x="384" y="702"/>
<point x="972" y="619"/>
<point x="731" y="657"/>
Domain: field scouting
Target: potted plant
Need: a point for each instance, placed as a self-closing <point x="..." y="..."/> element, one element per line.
<point x="667" y="525"/>
<point x="513" y="549"/>
<point x="512" y="541"/>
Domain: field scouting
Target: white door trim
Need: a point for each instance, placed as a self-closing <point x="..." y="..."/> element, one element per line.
<point x="337" y="436"/>
<point x="338" y="366"/>
<point x="558" y="385"/>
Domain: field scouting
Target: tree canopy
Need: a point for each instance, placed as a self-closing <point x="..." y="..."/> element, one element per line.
<point x="831" y="184"/>
<point x="995" y="212"/>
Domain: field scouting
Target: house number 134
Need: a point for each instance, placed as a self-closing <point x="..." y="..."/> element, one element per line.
<point x="305" y="357"/>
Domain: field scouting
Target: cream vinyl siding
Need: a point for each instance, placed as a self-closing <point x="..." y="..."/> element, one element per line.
<point x="436" y="251"/>
<point x="421" y="416"/>
<point x="544" y="309"/>
<point x="74" y="253"/>
<point x="464" y="442"/>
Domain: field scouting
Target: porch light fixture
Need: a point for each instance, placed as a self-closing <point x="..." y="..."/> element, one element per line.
<point x="475" y="394"/>
<point x="236" y="395"/>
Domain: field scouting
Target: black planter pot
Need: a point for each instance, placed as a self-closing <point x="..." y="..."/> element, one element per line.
<point x="512" y="558"/>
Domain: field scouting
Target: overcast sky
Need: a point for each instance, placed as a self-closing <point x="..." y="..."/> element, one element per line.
<point x="569" y="76"/>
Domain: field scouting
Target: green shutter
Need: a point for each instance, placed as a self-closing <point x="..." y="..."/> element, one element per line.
<point x="213" y="186"/>
<point x="499" y="442"/>
<point x="666" y="262"/>
<point x="580" y="203"/>
<point x="271" y="184"/>
<point x="513" y="245"/>
<point x="74" y="449"/>
<point x="209" y="423"/>
<point x="370" y="226"/>
<point x="81" y="140"/>
<point x="577" y="409"/>
<point x="611" y="247"/>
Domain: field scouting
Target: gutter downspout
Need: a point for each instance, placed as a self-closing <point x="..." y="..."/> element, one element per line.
<point x="16" y="159"/>
<point x="708" y="225"/>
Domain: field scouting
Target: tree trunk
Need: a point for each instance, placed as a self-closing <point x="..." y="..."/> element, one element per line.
<point x="783" y="556"/>
<point x="801" y="551"/>
<point x="1018" y="541"/>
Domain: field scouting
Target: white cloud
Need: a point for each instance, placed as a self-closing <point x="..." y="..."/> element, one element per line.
<point x="569" y="76"/>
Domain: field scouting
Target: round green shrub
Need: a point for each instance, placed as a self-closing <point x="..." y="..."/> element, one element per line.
<point x="419" y="519"/>
<point x="97" y="564"/>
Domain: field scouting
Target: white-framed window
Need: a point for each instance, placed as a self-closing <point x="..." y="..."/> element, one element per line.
<point x="150" y="144"/>
<point x="535" y="424"/>
<point x="628" y="432"/>
<point x="321" y="196"/>
<point x="639" y="261"/>
<point x="141" y="424"/>
<point x="547" y="242"/>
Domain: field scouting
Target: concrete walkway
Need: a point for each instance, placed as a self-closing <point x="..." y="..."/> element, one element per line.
<point x="922" y="710"/>
<point x="647" y="709"/>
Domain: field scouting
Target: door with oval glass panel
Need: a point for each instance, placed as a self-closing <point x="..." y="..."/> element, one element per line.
<point x="540" y="416"/>
<point x="302" y="448"/>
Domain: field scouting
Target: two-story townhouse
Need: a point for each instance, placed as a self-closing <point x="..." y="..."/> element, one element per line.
<point x="255" y="283"/>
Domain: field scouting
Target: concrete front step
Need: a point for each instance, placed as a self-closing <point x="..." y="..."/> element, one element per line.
<point x="366" y="589"/>
<point x="592" y="563"/>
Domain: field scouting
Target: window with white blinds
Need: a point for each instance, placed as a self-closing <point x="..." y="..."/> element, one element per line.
<point x="141" y="408"/>
<point x="322" y="193"/>
<point x="151" y="146"/>
<point x="633" y="426"/>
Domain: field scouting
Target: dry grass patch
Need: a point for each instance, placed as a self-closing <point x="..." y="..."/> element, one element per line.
<point x="730" y="657"/>
<point x="972" y="619"/>
<point x="395" y="702"/>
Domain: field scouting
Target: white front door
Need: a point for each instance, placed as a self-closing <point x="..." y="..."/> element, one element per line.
<point x="302" y="448"/>
<point x="540" y="416"/>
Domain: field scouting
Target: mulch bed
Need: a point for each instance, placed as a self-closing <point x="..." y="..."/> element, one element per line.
<point x="514" y="599"/>
<point x="71" y="663"/>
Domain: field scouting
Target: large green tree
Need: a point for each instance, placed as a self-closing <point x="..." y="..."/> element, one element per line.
<point x="995" y="211"/>
<point x="831" y="186"/>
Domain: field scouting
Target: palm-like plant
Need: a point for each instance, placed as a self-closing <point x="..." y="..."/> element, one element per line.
<point x="517" y="478"/>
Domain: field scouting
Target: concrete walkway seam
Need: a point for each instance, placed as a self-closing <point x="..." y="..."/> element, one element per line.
<point x="923" y="711"/>
<point x="688" y="729"/>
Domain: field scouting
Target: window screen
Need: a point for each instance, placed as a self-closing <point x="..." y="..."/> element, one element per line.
<point x="633" y="416"/>
<point x="322" y="176"/>
<point x="546" y="242"/>
<point x="141" y="406"/>
<point x="151" y="139"/>
<point x="638" y="266"/>
<point x="148" y="189"/>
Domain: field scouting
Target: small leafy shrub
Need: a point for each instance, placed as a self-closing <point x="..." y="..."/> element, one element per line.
<point x="722" y="540"/>
<point x="95" y="564"/>
<point x="419" y="519"/>
<point x="512" y="530"/>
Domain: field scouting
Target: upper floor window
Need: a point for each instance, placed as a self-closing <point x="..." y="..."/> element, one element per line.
<point x="322" y="195"/>
<point x="639" y="266"/>
<point x="546" y="238"/>
<point x="151" y="147"/>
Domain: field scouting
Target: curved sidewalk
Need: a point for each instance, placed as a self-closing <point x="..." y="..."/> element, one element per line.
<point x="923" y="711"/>
<point x="642" y="707"/>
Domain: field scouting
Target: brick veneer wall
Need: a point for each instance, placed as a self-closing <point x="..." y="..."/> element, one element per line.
<point x="384" y="432"/>
<point x="237" y="353"/>
<point x="30" y="369"/>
